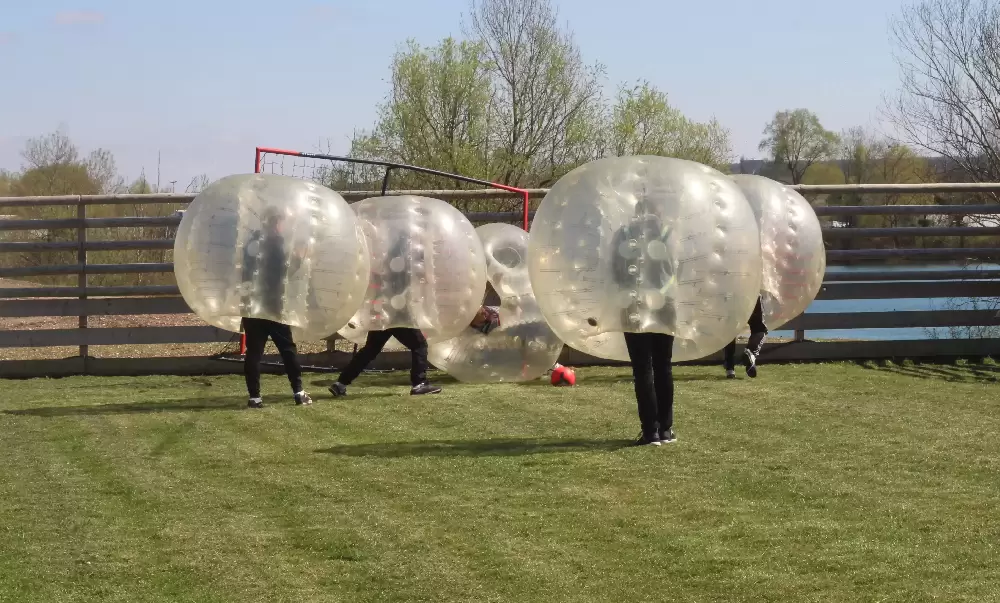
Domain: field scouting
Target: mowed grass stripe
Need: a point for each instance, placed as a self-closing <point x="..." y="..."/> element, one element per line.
<point x="832" y="482"/>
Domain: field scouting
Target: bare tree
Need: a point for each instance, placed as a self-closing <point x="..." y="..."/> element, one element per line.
<point x="949" y="100"/>
<point x="197" y="184"/>
<point x="104" y="171"/>
<point x="52" y="149"/>
<point x="540" y="85"/>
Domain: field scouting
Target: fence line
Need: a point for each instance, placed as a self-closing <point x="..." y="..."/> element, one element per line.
<point x="84" y="301"/>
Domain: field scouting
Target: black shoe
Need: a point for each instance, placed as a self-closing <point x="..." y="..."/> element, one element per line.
<point x="255" y="404"/>
<point x="644" y="440"/>
<point x="667" y="437"/>
<point x="750" y="363"/>
<point x="730" y="373"/>
<point x="424" y="388"/>
<point x="303" y="399"/>
<point x="338" y="389"/>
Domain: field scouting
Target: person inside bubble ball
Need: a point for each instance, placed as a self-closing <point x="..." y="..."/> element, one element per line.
<point x="650" y="354"/>
<point x="487" y="319"/>
<point x="758" y="333"/>
<point x="392" y="280"/>
<point x="266" y="265"/>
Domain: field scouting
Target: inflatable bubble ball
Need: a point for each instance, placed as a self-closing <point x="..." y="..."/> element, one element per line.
<point x="523" y="347"/>
<point x="428" y="268"/>
<point x="271" y="247"/>
<point x="645" y="244"/>
<point x="792" y="250"/>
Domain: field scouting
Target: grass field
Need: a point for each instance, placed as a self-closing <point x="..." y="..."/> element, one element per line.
<point x="831" y="482"/>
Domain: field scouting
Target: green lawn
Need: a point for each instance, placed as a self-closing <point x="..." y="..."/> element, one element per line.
<point x="831" y="482"/>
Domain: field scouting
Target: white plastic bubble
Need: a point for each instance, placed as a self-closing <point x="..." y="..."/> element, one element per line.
<point x="792" y="250"/>
<point x="523" y="347"/>
<point x="271" y="247"/>
<point x="668" y="246"/>
<point x="428" y="269"/>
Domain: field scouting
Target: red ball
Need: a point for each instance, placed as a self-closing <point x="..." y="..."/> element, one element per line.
<point x="563" y="376"/>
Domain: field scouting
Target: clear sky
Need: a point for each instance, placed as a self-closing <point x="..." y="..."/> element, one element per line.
<point x="204" y="82"/>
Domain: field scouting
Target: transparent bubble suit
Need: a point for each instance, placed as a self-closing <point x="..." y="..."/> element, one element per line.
<point x="272" y="247"/>
<point x="523" y="347"/>
<point x="792" y="250"/>
<point x="645" y="244"/>
<point x="428" y="268"/>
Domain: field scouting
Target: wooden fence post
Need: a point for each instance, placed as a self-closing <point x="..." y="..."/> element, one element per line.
<point x="81" y="277"/>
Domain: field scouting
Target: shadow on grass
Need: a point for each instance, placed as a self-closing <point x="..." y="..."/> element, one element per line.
<point x="582" y="378"/>
<point x="220" y="403"/>
<point x="985" y="373"/>
<point x="395" y="379"/>
<point x="493" y="447"/>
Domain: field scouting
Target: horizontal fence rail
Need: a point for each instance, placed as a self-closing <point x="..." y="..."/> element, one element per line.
<point x="84" y="300"/>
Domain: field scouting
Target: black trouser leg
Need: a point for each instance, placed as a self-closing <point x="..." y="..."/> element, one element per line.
<point x="417" y="343"/>
<point x="730" y="361"/>
<point x="373" y="345"/>
<point x="281" y="335"/>
<point x="256" y="332"/>
<point x="662" y="350"/>
<point x="758" y="330"/>
<point x="641" y="357"/>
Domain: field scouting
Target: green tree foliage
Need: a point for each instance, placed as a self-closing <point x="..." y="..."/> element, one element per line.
<point x="53" y="165"/>
<point x="823" y="173"/>
<point x="7" y="180"/>
<point x="870" y="158"/>
<point x="516" y="103"/>
<point x="436" y="114"/>
<point x="797" y="139"/>
<point x="644" y="123"/>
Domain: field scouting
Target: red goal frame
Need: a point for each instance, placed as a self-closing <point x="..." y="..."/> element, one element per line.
<point x="389" y="166"/>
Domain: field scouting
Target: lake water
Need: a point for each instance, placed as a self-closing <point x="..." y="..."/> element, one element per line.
<point x="888" y="305"/>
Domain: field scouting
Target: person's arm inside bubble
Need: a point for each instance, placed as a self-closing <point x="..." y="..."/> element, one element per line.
<point x="486" y="319"/>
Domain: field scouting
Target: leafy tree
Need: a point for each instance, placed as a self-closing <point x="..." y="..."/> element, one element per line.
<point x="870" y="158"/>
<point x="53" y="166"/>
<point x="644" y="123"/>
<point x="823" y="173"/>
<point x="56" y="179"/>
<point x="7" y="181"/>
<point x="436" y="114"/>
<point x="797" y="139"/>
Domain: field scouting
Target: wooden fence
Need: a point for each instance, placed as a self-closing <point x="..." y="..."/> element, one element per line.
<point x="86" y="302"/>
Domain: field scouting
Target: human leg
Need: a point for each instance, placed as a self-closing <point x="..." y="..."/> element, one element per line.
<point x="373" y="345"/>
<point x="256" y="333"/>
<point x="758" y="334"/>
<point x="417" y="343"/>
<point x="640" y="356"/>
<point x="730" y="359"/>
<point x="661" y="353"/>
<point x="281" y="335"/>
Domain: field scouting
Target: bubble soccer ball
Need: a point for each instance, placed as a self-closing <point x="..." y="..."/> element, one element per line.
<point x="271" y="247"/>
<point x="428" y="269"/>
<point x="645" y="244"/>
<point x="523" y="347"/>
<point x="791" y="243"/>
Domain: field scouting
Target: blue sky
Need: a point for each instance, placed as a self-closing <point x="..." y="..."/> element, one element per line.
<point x="203" y="83"/>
